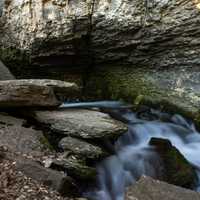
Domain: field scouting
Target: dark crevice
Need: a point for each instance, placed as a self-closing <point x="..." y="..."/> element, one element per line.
<point x="90" y="66"/>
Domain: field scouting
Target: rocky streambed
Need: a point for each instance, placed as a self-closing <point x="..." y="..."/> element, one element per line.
<point x="55" y="146"/>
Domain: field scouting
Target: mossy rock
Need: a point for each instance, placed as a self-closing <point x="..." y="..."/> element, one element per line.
<point x="177" y="170"/>
<point x="173" y="90"/>
<point x="76" y="168"/>
<point x="82" y="148"/>
<point x="46" y="144"/>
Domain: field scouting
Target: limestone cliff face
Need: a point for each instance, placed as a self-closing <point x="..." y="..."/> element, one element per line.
<point x="74" y="33"/>
<point x="52" y="31"/>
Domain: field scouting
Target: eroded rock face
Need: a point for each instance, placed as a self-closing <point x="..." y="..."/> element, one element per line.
<point x="81" y="123"/>
<point x="135" y="33"/>
<point x="40" y="25"/>
<point x="35" y="93"/>
<point x="147" y="189"/>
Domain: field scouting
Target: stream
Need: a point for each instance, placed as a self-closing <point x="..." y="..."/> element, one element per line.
<point x="134" y="156"/>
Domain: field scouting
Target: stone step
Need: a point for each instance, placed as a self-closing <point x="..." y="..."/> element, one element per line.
<point x="81" y="123"/>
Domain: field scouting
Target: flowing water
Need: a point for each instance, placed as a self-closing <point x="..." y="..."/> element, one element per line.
<point x="134" y="156"/>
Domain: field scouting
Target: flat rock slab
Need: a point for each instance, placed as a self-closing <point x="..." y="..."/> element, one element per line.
<point x="81" y="123"/>
<point x="81" y="148"/>
<point x="62" y="89"/>
<point x="19" y="138"/>
<point x="34" y="93"/>
<point x="149" y="189"/>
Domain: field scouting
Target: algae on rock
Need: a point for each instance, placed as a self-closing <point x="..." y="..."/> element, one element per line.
<point x="173" y="90"/>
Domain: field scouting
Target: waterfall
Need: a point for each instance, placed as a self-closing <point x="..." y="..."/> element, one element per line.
<point x="134" y="156"/>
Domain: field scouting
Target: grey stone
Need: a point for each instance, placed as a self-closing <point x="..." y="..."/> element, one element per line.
<point x="19" y="138"/>
<point x="81" y="123"/>
<point x="81" y="148"/>
<point x="62" y="89"/>
<point x="54" y="179"/>
<point x="147" y="189"/>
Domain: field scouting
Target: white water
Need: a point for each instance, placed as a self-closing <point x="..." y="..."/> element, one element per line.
<point x="134" y="156"/>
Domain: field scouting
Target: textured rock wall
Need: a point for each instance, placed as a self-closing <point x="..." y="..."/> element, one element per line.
<point x="174" y="90"/>
<point x="159" y="33"/>
<point x="52" y="32"/>
<point x="64" y="34"/>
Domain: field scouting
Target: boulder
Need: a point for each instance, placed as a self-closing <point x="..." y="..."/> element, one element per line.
<point x="177" y="170"/>
<point x="54" y="179"/>
<point x="5" y="74"/>
<point x="81" y="123"/>
<point x="18" y="138"/>
<point x="35" y="93"/>
<point x="149" y="189"/>
<point x="81" y="148"/>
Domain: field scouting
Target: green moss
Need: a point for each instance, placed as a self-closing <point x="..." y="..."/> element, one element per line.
<point x="44" y="141"/>
<point x="160" y="89"/>
<point x="77" y="169"/>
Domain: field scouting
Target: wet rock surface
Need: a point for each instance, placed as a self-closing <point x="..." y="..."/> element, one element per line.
<point x="81" y="123"/>
<point x="147" y="189"/>
<point x="177" y="170"/>
<point x="35" y="93"/>
<point x="71" y="171"/>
